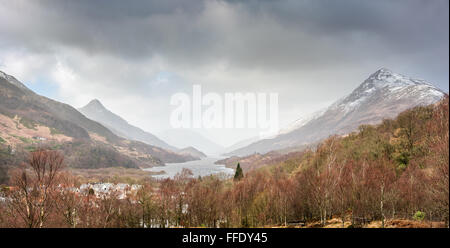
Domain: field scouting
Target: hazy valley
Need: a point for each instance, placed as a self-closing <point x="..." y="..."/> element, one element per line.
<point x="202" y="114"/>
<point x="111" y="151"/>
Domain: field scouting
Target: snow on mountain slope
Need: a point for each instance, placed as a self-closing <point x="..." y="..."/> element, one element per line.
<point x="391" y="85"/>
<point x="13" y="81"/>
<point x="302" y="121"/>
<point x="383" y="95"/>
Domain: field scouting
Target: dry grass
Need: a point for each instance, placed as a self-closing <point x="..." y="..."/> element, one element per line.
<point x="112" y="174"/>
<point x="374" y="224"/>
<point x="14" y="132"/>
<point x="396" y="223"/>
<point x="337" y="223"/>
<point x="400" y="223"/>
<point x="332" y="223"/>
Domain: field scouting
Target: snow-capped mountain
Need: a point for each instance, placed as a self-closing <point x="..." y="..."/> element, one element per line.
<point x="390" y="85"/>
<point x="383" y="95"/>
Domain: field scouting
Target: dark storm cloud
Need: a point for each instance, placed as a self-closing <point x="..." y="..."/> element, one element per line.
<point x="136" y="29"/>
<point x="310" y="51"/>
<point x="354" y="29"/>
<point x="246" y="33"/>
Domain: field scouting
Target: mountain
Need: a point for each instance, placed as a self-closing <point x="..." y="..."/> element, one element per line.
<point x="17" y="99"/>
<point x="192" y="151"/>
<point x="28" y="120"/>
<point x="96" y="111"/>
<point x="185" y="138"/>
<point x="240" y="144"/>
<point x="383" y="95"/>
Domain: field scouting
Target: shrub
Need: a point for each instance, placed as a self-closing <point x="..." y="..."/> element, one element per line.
<point x="419" y="216"/>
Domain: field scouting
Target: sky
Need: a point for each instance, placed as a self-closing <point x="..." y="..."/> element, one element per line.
<point x="133" y="56"/>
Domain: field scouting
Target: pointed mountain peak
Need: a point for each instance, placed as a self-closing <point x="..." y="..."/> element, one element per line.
<point x="95" y="103"/>
<point x="389" y="84"/>
<point x="385" y="77"/>
<point x="383" y="74"/>
<point x="94" y="106"/>
<point x="383" y="70"/>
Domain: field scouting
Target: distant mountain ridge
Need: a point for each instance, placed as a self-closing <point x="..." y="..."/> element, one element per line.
<point x="240" y="144"/>
<point x="192" y="151"/>
<point x="96" y="111"/>
<point x="383" y="95"/>
<point x="182" y="137"/>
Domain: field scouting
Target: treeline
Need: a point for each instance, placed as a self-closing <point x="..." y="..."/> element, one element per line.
<point x="80" y="154"/>
<point x="396" y="170"/>
<point x="88" y="155"/>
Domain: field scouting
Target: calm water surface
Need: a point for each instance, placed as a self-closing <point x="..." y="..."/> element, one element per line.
<point x="203" y="167"/>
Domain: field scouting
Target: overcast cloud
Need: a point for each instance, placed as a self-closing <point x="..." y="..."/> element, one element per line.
<point x="133" y="56"/>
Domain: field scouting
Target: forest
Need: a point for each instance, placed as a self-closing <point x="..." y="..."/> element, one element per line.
<point x="397" y="170"/>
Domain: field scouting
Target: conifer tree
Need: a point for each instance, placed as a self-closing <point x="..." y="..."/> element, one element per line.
<point x="239" y="173"/>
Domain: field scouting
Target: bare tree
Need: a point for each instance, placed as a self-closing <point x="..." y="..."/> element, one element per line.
<point x="34" y="186"/>
<point x="69" y="202"/>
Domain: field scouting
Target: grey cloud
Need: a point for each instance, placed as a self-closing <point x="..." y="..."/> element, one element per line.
<point x="309" y="50"/>
<point x="255" y="33"/>
<point x="283" y="36"/>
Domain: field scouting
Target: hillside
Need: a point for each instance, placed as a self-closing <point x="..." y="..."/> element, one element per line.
<point x="29" y="120"/>
<point x="394" y="174"/>
<point x="192" y="151"/>
<point x="17" y="100"/>
<point x="383" y="95"/>
<point x="181" y="137"/>
<point x="95" y="110"/>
